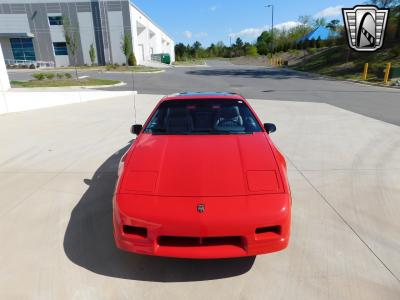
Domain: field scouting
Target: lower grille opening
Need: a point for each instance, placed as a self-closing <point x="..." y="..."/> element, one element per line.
<point x="270" y="229"/>
<point x="178" y="241"/>
<point x="133" y="230"/>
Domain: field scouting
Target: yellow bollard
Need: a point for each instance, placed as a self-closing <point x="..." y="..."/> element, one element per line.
<point x="387" y="73"/>
<point x="365" y="74"/>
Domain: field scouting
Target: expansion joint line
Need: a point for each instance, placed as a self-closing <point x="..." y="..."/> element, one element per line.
<point x="344" y="220"/>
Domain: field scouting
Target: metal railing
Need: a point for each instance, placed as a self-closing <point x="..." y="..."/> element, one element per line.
<point x="18" y="63"/>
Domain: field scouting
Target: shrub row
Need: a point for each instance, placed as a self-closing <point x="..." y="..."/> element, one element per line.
<point x="51" y="76"/>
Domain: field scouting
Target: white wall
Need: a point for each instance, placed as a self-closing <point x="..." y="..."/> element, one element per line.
<point x="4" y="81"/>
<point x="116" y="29"/>
<point x="86" y="32"/>
<point x="14" y="23"/>
<point x="139" y="20"/>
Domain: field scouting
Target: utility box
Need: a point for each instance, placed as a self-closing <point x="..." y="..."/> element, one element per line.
<point x="164" y="58"/>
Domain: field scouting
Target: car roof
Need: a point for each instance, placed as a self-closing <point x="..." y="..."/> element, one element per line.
<point x="203" y="95"/>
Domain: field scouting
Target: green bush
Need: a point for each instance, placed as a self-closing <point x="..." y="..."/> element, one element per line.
<point x="39" y="76"/>
<point x="68" y="75"/>
<point x="312" y="50"/>
<point x="50" y="76"/>
<point x="60" y="75"/>
<point x="395" y="50"/>
<point x="132" y="60"/>
<point x="251" y="50"/>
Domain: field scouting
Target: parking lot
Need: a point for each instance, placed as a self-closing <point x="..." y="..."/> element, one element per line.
<point x="57" y="172"/>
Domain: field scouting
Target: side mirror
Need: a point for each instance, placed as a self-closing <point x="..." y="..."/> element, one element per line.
<point x="136" y="129"/>
<point x="269" y="127"/>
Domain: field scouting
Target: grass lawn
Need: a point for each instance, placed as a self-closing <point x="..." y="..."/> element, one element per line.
<point x="62" y="83"/>
<point x="190" y="62"/>
<point x="114" y="68"/>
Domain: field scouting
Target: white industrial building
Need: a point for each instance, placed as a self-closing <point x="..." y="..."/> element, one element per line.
<point x="33" y="31"/>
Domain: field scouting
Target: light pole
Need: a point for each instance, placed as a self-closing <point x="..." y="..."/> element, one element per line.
<point x="272" y="28"/>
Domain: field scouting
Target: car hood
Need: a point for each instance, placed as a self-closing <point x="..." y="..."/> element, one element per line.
<point x="201" y="165"/>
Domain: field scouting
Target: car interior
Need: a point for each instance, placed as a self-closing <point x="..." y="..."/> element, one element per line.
<point x="203" y="117"/>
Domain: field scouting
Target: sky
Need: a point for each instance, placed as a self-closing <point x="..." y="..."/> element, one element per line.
<point x="210" y="21"/>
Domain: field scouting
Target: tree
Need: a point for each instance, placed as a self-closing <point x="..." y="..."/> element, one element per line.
<point x="126" y="46"/>
<point x="239" y="43"/>
<point x="181" y="51"/>
<point x="333" y="25"/>
<point x="238" y="47"/>
<point x="92" y="54"/>
<point x="132" y="60"/>
<point x="196" y="49"/>
<point x="251" y="50"/>
<point x="320" y="22"/>
<point x="71" y="39"/>
<point x="385" y="3"/>
<point x="263" y="42"/>
<point x="305" y="20"/>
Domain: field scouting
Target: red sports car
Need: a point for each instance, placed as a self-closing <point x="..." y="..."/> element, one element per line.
<point x="202" y="180"/>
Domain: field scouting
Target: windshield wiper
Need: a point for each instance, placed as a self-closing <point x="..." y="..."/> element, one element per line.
<point x="211" y="131"/>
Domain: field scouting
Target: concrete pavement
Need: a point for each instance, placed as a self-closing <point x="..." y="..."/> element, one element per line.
<point x="57" y="172"/>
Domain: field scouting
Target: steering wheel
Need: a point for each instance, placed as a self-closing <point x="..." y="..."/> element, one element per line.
<point x="229" y="122"/>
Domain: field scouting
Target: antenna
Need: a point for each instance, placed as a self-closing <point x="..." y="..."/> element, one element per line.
<point x="134" y="94"/>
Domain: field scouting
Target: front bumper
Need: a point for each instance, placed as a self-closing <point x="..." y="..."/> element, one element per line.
<point x="229" y="227"/>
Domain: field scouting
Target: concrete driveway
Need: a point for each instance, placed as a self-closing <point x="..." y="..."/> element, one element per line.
<point x="57" y="172"/>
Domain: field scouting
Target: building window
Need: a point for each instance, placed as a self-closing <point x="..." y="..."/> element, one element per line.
<point x="60" y="48"/>
<point x="22" y="49"/>
<point x="56" y="20"/>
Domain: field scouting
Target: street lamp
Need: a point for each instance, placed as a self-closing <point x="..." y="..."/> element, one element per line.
<point x="272" y="28"/>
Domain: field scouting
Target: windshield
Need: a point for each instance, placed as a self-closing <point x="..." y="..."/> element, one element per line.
<point x="203" y="117"/>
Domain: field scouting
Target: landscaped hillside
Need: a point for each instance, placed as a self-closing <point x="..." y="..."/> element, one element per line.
<point x="340" y="61"/>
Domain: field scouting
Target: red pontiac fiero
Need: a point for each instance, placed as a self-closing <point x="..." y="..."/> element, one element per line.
<point x="202" y="180"/>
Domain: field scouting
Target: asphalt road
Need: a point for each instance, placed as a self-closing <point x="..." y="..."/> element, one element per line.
<point x="262" y="83"/>
<point x="58" y="169"/>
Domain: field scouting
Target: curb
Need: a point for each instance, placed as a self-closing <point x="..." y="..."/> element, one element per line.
<point x="130" y="72"/>
<point x="103" y="86"/>
<point x="66" y="88"/>
<point x="192" y="66"/>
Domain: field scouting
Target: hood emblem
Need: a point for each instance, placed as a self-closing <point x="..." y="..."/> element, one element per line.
<point x="201" y="208"/>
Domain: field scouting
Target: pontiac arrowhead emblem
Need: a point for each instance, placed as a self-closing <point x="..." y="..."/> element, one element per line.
<point x="201" y="208"/>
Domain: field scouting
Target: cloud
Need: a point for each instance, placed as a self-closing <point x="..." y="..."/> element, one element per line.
<point x="201" y="34"/>
<point x="288" y="25"/>
<point x="331" y="11"/>
<point x="213" y="8"/>
<point x="188" y="34"/>
<point x="255" y="32"/>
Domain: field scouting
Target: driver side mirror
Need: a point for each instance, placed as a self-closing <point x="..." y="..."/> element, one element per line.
<point x="269" y="127"/>
<point x="136" y="129"/>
